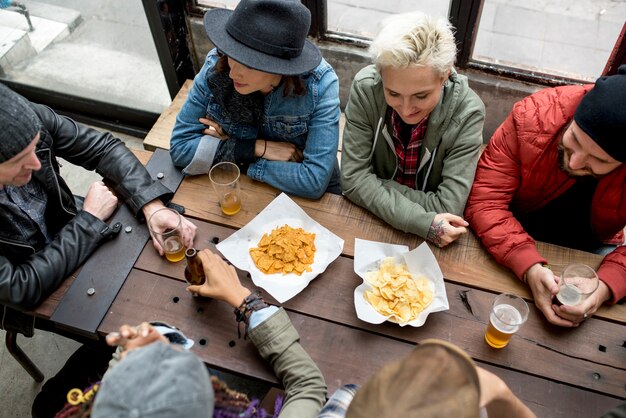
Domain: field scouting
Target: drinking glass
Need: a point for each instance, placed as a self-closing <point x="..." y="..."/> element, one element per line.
<point x="578" y="282"/>
<point x="171" y="239"/>
<point x="508" y="314"/>
<point x="225" y="180"/>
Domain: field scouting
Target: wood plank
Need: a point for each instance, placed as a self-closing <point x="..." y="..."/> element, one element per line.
<point x="466" y="261"/>
<point x="334" y="212"/>
<point x="535" y="349"/>
<point x="147" y="296"/>
<point x="160" y="134"/>
<point x="341" y="352"/>
<point x="540" y="395"/>
<point x="48" y="306"/>
<point x="142" y="155"/>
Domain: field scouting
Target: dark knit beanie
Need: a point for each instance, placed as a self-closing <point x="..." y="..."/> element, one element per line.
<point x="18" y="124"/>
<point x="602" y="114"/>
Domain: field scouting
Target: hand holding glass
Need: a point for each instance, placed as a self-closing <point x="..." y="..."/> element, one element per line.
<point x="165" y="226"/>
<point x="508" y="313"/>
<point x="225" y="180"/>
<point x="578" y="282"/>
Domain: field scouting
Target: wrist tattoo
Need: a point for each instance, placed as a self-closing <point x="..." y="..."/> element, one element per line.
<point x="435" y="232"/>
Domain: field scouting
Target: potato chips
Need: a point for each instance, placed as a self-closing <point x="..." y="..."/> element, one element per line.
<point x="285" y="250"/>
<point x="396" y="293"/>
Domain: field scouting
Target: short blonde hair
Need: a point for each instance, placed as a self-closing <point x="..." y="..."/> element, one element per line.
<point x="414" y="39"/>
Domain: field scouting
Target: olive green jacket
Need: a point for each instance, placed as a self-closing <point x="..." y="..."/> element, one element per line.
<point x="278" y="343"/>
<point x="448" y="156"/>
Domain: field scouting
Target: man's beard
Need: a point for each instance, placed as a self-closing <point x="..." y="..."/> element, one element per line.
<point x="571" y="173"/>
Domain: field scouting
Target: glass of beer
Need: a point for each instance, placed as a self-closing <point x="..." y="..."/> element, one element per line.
<point x="507" y="315"/>
<point x="225" y="180"/>
<point x="165" y="226"/>
<point x="578" y="282"/>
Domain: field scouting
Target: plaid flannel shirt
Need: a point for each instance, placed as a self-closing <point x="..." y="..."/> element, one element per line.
<point x="408" y="156"/>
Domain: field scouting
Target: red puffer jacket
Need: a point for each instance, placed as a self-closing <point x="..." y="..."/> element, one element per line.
<point x="520" y="166"/>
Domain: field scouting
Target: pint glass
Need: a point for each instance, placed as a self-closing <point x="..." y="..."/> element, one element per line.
<point x="578" y="282"/>
<point x="225" y="180"/>
<point x="508" y="313"/>
<point x="171" y="239"/>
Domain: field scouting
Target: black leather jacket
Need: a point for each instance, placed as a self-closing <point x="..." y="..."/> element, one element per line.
<point x="29" y="272"/>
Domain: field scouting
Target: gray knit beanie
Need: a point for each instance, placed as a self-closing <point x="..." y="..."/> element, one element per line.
<point x="18" y="124"/>
<point x="156" y="381"/>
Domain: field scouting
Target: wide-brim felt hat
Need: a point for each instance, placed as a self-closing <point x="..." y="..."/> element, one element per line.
<point x="265" y="35"/>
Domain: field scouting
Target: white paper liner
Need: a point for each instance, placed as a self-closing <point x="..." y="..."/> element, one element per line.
<point x="281" y="211"/>
<point x="420" y="261"/>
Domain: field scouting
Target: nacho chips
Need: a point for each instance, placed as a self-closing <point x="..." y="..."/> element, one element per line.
<point x="285" y="250"/>
<point x="396" y="292"/>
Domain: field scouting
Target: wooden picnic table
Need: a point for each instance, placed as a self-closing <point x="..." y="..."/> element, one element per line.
<point x="582" y="368"/>
<point x="558" y="372"/>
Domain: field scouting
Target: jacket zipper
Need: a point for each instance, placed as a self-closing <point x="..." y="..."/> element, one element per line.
<point x="58" y="186"/>
<point x="18" y="243"/>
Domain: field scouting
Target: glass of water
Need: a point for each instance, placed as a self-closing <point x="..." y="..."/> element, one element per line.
<point x="578" y="282"/>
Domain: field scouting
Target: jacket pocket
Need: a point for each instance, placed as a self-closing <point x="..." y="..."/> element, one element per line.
<point x="288" y="128"/>
<point x="216" y="113"/>
<point x="233" y="129"/>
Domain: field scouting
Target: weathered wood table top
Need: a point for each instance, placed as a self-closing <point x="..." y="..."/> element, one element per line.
<point x="557" y="372"/>
<point x="583" y="368"/>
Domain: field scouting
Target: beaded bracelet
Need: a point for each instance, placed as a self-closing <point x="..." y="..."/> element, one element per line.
<point x="253" y="302"/>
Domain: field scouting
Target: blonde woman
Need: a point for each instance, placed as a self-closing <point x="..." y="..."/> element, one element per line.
<point x="413" y="130"/>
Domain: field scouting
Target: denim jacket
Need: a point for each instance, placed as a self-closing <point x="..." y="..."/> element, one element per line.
<point x="310" y="121"/>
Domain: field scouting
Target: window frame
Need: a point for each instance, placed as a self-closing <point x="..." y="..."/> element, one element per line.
<point x="465" y="17"/>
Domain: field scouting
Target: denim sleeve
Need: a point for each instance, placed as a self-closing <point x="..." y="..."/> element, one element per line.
<point x="258" y="317"/>
<point x="311" y="177"/>
<point x="187" y="134"/>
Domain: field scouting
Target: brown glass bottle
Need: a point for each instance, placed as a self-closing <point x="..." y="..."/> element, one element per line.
<point x="194" y="273"/>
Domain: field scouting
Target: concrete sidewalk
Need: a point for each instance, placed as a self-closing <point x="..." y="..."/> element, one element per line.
<point x="97" y="50"/>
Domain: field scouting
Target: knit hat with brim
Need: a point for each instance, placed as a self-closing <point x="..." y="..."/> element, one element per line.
<point x="602" y="114"/>
<point x="437" y="379"/>
<point x="18" y="124"/>
<point x="156" y="381"/>
<point x="265" y="35"/>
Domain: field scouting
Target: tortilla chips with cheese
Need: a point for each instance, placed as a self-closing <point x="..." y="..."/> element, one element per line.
<point x="396" y="293"/>
<point x="285" y="250"/>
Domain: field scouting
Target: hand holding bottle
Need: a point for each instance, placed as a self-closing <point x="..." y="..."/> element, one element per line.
<point x="221" y="280"/>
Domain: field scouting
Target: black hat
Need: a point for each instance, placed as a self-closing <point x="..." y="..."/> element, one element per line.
<point x="602" y="114"/>
<point x="18" y="124"/>
<point x="266" y="35"/>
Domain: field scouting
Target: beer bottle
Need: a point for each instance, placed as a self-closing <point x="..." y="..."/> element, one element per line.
<point x="194" y="273"/>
